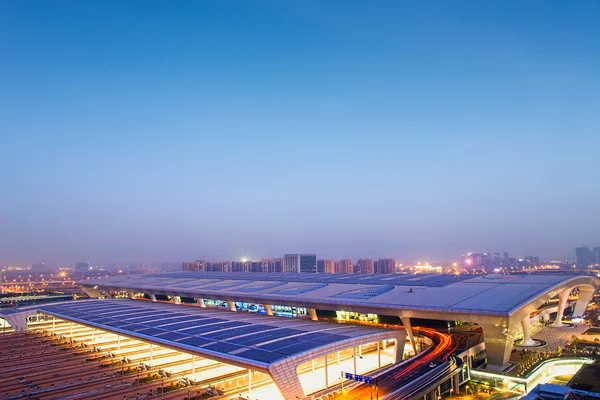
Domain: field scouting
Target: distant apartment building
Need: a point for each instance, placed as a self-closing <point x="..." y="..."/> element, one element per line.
<point x="386" y="266"/>
<point x="240" y="266"/>
<point x="219" y="266"/>
<point x="300" y="263"/>
<point x="195" y="266"/>
<point x="344" y="267"/>
<point x="326" y="266"/>
<point x="259" y="266"/>
<point x="274" y="264"/>
<point x="365" y="266"/>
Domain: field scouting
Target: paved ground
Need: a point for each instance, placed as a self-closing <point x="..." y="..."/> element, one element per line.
<point x="555" y="337"/>
<point x="484" y="396"/>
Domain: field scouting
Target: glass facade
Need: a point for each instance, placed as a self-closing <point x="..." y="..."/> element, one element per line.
<point x="308" y="263"/>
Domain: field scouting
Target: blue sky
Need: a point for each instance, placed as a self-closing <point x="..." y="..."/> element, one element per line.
<point x="153" y="130"/>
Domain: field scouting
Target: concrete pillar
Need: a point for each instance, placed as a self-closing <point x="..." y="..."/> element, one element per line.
<point x="118" y="342"/>
<point x="360" y="350"/>
<point x="249" y="381"/>
<point x="562" y="301"/>
<point x="384" y="343"/>
<point x="287" y="381"/>
<point x="585" y="296"/>
<point x="268" y="309"/>
<point x="131" y="294"/>
<point x="399" y="350"/>
<point x="193" y="364"/>
<point x="498" y="339"/>
<point x="326" y="374"/>
<point x="456" y="384"/>
<point x="151" y="352"/>
<point x="153" y="297"/>
<point x="176" y="299"/>
<point x="313" y="314"/>
<point x="200" y="303"/>
<point x="354" y="358"/>
<point x="18" y="321"/>
<point x="338" y="358"/>
<point x="313" y="365"/>
<point x="408" y="327"/>
<point x="378" y="355"/>
<point x="527" y="340"/>
<point x="232" y="306"/>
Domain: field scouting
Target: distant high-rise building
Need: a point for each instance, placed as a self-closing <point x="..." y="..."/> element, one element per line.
<point x="240" y="266"/>
<point x="587" y="258"/>
<point x="195" y="266"/>
<point x="39" y="267"/>
<point x="505" y="259"/>
<point x="326" y="267"/>
<point x="320" y="266"/>
<point x="259" y="266"/>
<point x="220" y="266"/>
<point x="473" y="260"/>
<point x="386" y="266"/>
<point x="303" y="263"/>
<point x="365" y="266"/>
<point x="81" y="266"/>
<point x="344" y="267"/>
<point x="275" y="264"/>
<point x="329" y="267"/>
<point x="496" y="260"/>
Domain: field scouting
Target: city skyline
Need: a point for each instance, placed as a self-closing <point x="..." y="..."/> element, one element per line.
<point x="155" y="132"/>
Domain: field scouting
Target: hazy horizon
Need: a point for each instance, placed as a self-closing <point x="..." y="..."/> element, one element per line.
<point x="416" y="130"/>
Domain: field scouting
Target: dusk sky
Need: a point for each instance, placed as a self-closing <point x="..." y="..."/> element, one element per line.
<point x="163" y="131"/>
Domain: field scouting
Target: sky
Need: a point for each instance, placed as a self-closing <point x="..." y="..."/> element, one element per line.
<point x="165" y="131"/>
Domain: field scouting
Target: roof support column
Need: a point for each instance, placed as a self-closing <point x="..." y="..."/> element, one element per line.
<point x="562" y="302"/>
<point x="354" y="358"/>
<point x="200" y="303"/>
<point x="268" y="309"/>
<point x="527" y="340"/>
<point x="585" y="296"/>
<point x="231" y="305"/>
<point x="498" y="338"/>
<point x="378" y="354"/>
<point x="249" y="381"/>
<point x="326" y="374"/>
<point x="408" y="327"/>
<point x="456" y="384"/>
<point x="152" y="297"/>
<point x="313" y="314"/>
<point x="18" y="321"/>
<point x="176" y="299"/>
<point x="151" y="352"/>
<point x="285" y="377"/>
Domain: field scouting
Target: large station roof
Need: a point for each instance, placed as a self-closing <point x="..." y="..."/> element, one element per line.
<point x="241" y="338"/>
<point x="486" y="294"/>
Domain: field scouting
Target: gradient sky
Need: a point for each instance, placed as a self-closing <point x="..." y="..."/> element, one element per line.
<point x="158" y="130"/>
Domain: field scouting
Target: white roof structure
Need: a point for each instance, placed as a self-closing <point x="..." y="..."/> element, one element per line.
<point x="276" y="346"/>
<point x="474" y="294"/>
<point x="500" y="304"/>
